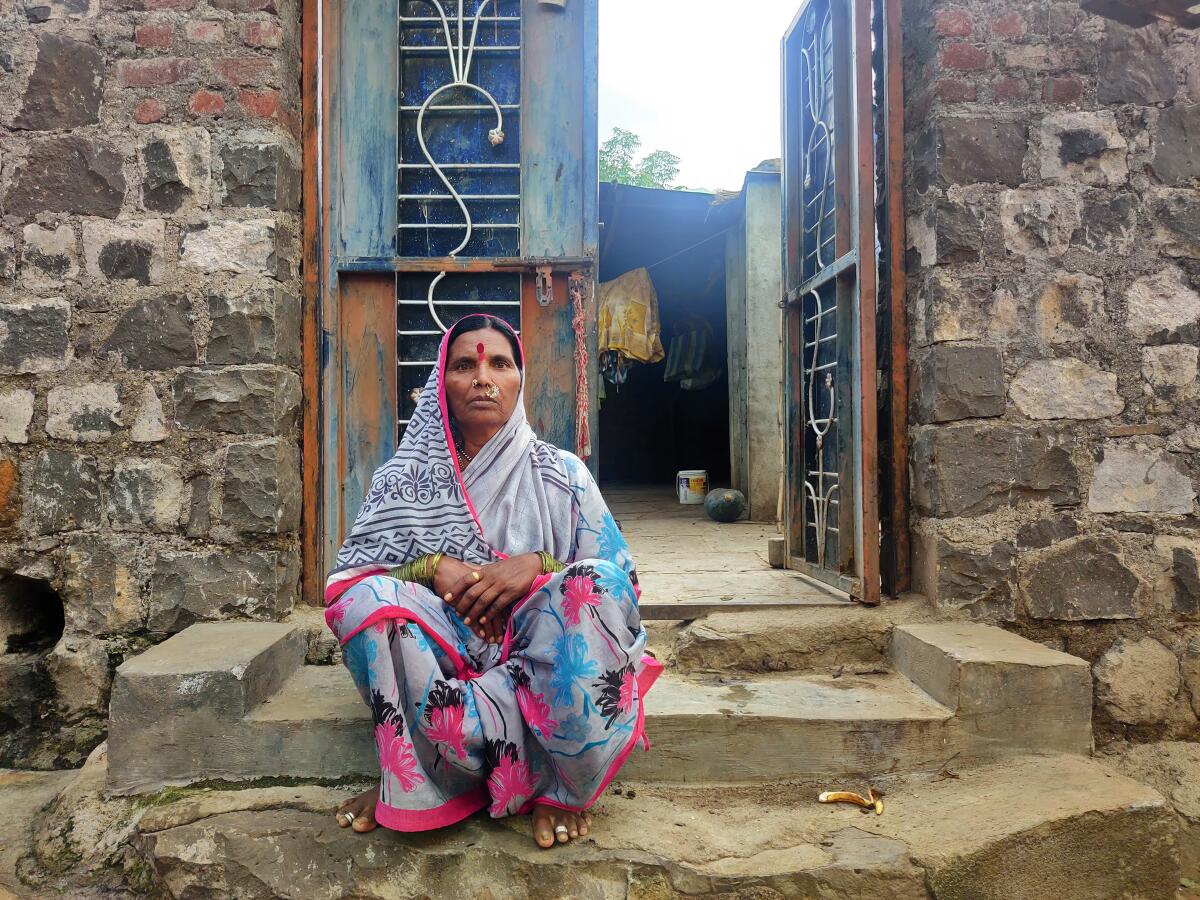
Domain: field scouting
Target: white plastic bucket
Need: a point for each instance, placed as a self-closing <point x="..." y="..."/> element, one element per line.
<point x="692" y="485"/>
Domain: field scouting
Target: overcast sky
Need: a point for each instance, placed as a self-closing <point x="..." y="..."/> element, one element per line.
<point x="694" y="78"/>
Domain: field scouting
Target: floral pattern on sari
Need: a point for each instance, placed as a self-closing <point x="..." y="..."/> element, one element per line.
<point x="579" y="590"/>
<point x="511" y="782"/>
<point x="396" y="757"/>
<point x="572" y="665"/>
<point x="534" y="708"/>
<point x="444" y="715"/>
<point x="616" y="697"/>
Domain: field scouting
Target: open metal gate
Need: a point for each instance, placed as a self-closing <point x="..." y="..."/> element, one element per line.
<point x="844" y="297"/>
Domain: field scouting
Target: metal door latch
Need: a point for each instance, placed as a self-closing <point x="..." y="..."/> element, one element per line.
<point x="544" y="285"/>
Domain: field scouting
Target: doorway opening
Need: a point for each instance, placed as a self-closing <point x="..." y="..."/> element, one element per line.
<point x="656" y="419"/>
<point x="689" y="305"/>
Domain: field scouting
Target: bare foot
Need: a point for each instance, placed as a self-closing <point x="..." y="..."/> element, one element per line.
<point x="362" y="808"/>
<point x="548" y="819"/>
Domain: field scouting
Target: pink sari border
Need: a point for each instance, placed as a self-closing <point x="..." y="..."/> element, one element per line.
<point x="448" y="813"/>
<point x="399" y="612"/>
<point x="462" y="670"/>
<point x="335" y="589"/>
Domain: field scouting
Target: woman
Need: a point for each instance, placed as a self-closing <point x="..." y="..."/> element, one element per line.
<point x="487" y="608"/>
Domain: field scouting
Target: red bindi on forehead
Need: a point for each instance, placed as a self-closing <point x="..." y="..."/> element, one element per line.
<point x="479" y="349"/>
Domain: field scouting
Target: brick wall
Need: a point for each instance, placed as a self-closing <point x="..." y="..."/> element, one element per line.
<point x="149" y="338"/>
<point x="1054" y="229"/>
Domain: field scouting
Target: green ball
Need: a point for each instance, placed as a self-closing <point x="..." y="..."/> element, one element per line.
<point x="725" y="505"/>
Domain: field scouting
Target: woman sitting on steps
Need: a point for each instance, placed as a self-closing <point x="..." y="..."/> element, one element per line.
<point x="486" y="604"/>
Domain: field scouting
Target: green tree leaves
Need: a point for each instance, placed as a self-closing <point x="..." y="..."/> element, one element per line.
<point x="619" y="163"/>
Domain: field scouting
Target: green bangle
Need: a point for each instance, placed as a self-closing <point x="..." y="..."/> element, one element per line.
<point x="431" y="564"/>
<point x="420" y="570"/>
<point x="402" y="573"/>
<point x="550" y="565"/>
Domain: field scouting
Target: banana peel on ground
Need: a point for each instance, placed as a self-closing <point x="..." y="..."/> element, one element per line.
<point x="873" y="800"/>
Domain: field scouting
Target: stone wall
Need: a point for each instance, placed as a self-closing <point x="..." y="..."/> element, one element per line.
<point x="149" y="340"/>
<point x="1054" y="227"/>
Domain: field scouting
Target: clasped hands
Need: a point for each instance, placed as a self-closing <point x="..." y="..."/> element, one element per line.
<point x="482" y="595"/>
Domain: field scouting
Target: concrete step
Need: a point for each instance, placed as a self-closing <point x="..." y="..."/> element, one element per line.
<point x="851" y="637"/>
<point x="316" y="725"/>
<point x="1007" y="692"/>
<point x="198" y="707"/>
<point x="779" y="726"/>
<point x="179" y="706"/>
<point x="1029" y="828"/>
<point x="755" y="729"/>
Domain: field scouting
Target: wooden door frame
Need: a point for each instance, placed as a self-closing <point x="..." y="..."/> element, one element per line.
<point x="896" y="564"/>
<point x="328" y="305"/>
<point x="312" y="574"/>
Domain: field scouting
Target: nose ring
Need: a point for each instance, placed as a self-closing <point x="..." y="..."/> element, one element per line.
<point x="492" y="391"/>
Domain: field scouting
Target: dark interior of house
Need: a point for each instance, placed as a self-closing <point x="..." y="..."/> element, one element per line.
<point x="651" y="428"/>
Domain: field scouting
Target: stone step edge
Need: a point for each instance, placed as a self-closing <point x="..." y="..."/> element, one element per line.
<point x="1000" y="684"/>
<point x="312" y="681"/>
<point x="220" y="671"/>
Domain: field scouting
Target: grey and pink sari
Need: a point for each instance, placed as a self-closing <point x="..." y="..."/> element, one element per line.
<point x="551" y="713"/>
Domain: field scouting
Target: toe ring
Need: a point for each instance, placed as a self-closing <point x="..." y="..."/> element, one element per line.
<point x="561" y="829"/>
<point x="349" y="817"/>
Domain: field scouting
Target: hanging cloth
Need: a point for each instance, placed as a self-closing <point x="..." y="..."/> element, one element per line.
<point x="688" y="351"/>
<point x="614" y="368"/>
<point x="628" y="319"/>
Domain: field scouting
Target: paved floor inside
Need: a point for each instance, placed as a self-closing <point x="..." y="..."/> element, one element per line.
<point x="683" y="557"/>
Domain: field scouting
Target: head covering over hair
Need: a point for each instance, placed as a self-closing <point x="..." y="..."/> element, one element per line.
<point x="515" y="496"/>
